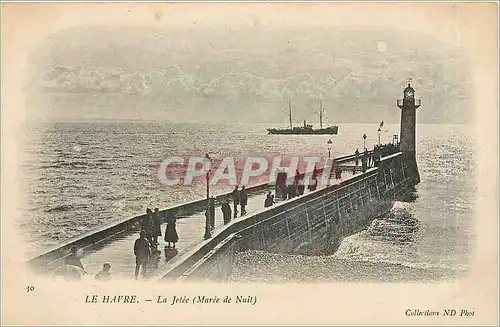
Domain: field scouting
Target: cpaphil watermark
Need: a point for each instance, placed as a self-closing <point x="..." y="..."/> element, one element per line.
<point x="307" y="170"/>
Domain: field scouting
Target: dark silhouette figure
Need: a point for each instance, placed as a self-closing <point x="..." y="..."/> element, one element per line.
<point x="104" y="273"/>
<point x="73" y="260"/>
<point x="357" y="156"/>
<point x="376" y="155"/>
<point x="236" y="200"/>
<point x="338" y="172"/>
<point x="156" y="226"/>
<point x="272" y="199"/>
<point x="367" y="159"/>
<point x="284" y="192"/>
<point x="147" y="225"/>
<point x="301" y="189"/>
<point x="243" y="200"/>
<point x="292" y="191"/>
<point x="314" y="181"/>
<point x="269" y="200"/>
<point x="142" y="251"/>
<point x="226" y="212"/>
<point x="171" y="230"/>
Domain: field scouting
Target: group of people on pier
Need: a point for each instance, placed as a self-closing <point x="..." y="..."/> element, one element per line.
<point x="372" y="159"/>
<point x="239" y="199"/>
<point x="296" y="188"/>
<point x="146" y="246"/>
<point x="151" y="225"/>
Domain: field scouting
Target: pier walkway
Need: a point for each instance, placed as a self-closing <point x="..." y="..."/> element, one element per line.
<point x="114" y="244"/>
<point x="119" y="252"/>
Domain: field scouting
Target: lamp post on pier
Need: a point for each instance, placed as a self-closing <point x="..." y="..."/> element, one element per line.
<point x="379" y="131"/>
<point x="329" y="145"/>
<point x="206" y="166"/>
<point x="364" y="141"/>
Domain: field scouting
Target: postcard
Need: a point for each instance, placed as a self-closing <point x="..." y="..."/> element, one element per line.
<point x="250" y="163"/>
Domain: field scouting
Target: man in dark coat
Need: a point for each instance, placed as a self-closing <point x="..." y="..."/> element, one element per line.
<point x="147" y="225"/>
<point x="236" y="200"/>
<point x="156" y="226"/>
<point x="142" y="251"/>
<point x="243" y="200"/>
<point x="226" y="212"/>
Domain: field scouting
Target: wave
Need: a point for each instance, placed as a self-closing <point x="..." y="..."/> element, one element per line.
<point x="89" y="196"/>
<point x="59" y="208"/>
<point x="75" y="164"/>
<point x="350" y="250"/>
<point x="114" y="197"/>
<point x="262" y="266"/>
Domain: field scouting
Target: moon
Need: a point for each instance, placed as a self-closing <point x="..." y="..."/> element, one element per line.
<point x="381" y="46"/>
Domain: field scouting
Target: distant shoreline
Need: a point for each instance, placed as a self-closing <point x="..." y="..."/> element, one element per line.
<point x="267" y="124"/>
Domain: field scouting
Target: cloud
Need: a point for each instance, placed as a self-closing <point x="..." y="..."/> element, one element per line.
<point x="362" y="80"/>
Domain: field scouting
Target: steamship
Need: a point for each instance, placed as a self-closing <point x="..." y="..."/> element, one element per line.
<point x="307" y="129"/>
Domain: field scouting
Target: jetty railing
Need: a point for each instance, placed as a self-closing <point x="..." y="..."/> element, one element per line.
<point x="208" y="248"/>
<point x="214" y="258"/>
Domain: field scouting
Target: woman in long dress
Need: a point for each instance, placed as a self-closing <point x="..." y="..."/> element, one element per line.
<point x="171" y="231"/>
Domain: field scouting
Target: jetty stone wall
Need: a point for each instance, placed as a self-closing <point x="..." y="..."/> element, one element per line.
<point x="312" y="224"/>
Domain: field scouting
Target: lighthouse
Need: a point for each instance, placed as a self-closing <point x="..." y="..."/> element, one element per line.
<point x="407" y="146"/>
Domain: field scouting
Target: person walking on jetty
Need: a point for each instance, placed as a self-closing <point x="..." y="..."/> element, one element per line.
<point x="226" y="212"/>
<point x="268" y="201"/>
<point x="299" y="183"/>
<point x="142" y="251"/>
<point x="156" y="226"/>
<point x="292" y="191"/>
<point x="104" y="274"/>
<point x="300" y="189"/>
<point x="73" y="260"/>
<point x="171" y="230"/>
<point x="236" y="200"/>
<point x="243" y="200"/>
<point x="356" y="157"/>
<point x="364" y="162"/>
<point x="147" y="225"/>
<point x="314" y="180"/>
